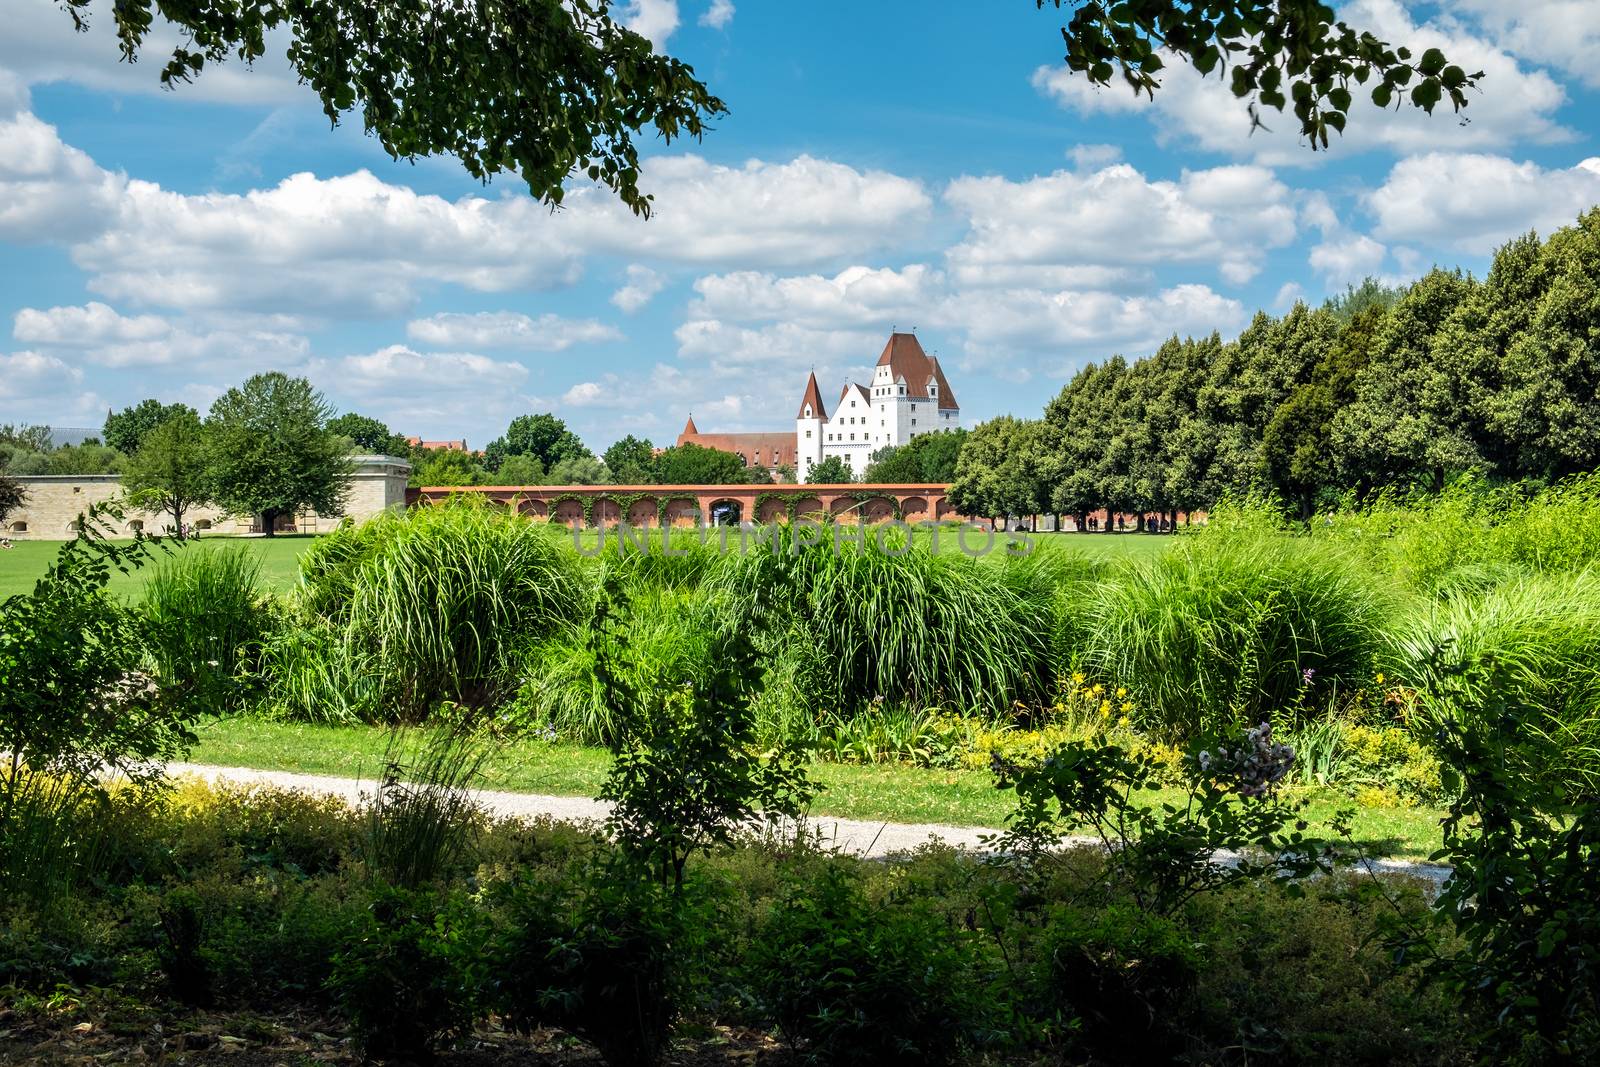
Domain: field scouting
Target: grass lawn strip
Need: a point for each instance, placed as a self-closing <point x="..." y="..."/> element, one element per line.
<point x="960" y="802"/>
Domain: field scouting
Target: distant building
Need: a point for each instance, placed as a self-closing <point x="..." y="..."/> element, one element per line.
<point x="448" y="446"/>
<point x="907" y="397"/>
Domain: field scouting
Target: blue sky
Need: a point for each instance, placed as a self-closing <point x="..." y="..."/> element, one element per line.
<point x="881" y="166"/>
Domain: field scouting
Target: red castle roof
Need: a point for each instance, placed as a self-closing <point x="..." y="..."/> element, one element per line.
<point x="906" y="360"/>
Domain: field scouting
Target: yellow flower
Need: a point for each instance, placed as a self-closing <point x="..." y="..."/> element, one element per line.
<point x="1123" y="722"/>
<point x="1098" y="689"/>
<point x="1105" y="707"/>
<point x="1121" y="692"/>
<point x="1127" y="706"/>
<point x="1380" y="679"/>
<point x="1077" y="677"/>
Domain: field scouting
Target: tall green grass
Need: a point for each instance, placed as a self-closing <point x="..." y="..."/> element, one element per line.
<point x="427" y="605"/>
<point x="207" y="623"/>
<point x="908" y="626"/>
<point x="1222" y="629"/>
<point x="1533" y="643"/>
<point x="424" y="816"/>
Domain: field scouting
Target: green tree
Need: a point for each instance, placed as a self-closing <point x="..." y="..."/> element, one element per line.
<point x="89" y="457"/>
<point x="449" y="466"/>
<point x="12" y="495"/>
<point x="544" y="89"/>
<point x="544" y="437"/>
<point x="369" y="435"/>
<point x="692" y="464"/>
<point x="171" y="471"/>
<point x="520" y="470"/>
<point x="832" y="470"/>
<point x="999" y="471"/>
<point x="578" y="470"/>
<point x="629" y="459"/>
<point x="271" y="452"/>
<point x="929" y="457"/>
<point x="125" y="430"/>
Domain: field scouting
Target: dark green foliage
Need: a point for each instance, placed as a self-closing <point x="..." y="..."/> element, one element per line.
<point x="542" y="437"/>
<point x="125" y="430"/>
<point x="929" y="457"/>
<point x="423" y="819"/>
<point x="271" y="452"/>
<point x="685" y="776"/>
<point x="170" y="472"/>
<point x="692" y="464"/>
<point x="440" y="80"/>
<point x="413" y="976"/>
<point x="1273" y="51"/>
<point x="630" y="461"/>
<point x="73" y="705"/>
<point x="1125" y="976"/>
<point x="369" y="435"/>
<point x="12" y="494"/>
<point x="848" y="980"/>
<point x="207" y="623"/>
<point x="1000" y="472"/>
<point x="605" y="958"/>
<point x="832" y="470"/>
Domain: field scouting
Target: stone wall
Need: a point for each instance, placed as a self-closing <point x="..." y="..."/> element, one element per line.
<point x="54" y="502"/>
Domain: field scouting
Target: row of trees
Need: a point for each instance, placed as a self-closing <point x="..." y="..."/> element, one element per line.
<point x="1379" y="389"/>
<point x="265" y="448"/>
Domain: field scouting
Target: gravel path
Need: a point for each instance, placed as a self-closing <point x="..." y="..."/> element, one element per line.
<point x="871" y="839"/>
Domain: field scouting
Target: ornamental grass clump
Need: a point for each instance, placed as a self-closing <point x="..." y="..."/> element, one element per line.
<point x="899" y="621"/>
<point x="429" y="603"/>
<point x="1225" y="629"/>
<point x="208" y="621"/>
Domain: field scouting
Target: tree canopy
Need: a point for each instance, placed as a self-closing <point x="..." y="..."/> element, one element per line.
<point x="271" y="453"/>
<point x="544" y="437"/>
<point x="369" y="435"/>
<point x="171" y="471"/>
<point x="629" y="460"/>
<point x="831" y="470"/>
<point x="928" y="457"/>
<point x="544" y="89"/>
<point x="692" y="464"/>
<point x="125" y="430"/>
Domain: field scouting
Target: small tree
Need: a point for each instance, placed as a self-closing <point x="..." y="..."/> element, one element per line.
<point x="542" y="436"/>
<point x="170" y="472"/>
<point x="126" y="430"/>
<point x="692" y="464"/>
<point x="831" y="471"/>
<point x="629" y="460"/>
<point x="11" y="496"/>
<point x="271" y="451"/>
<point x="370" y="435"/>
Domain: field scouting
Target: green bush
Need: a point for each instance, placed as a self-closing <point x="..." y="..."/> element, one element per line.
<point x="414" y="977"/>
<point x="1535" y="643"/>
<point x="849" y="981"/>
<point x="604" y="957"/>
<point x="207" y="623"/>
<point x="1123" y="977"/>
<point x="1223" y="629"/>
<point x="428" y="603"/>
<point x="911" y="627"/>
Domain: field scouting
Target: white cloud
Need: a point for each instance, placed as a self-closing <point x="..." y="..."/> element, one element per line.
<point x="855" y="297"/>
<point x="1559" y="33"/>
<point x="1288" y="294"/>
<point x="1093" y="322"/>
<point x="1471" y="203"/>
<point x="655" y="19"/>
<point x="1516" y="104"/>
<point x="36" y="387"/>
<point x="1118" y="218"/>
<point x="642" y="286"/>
<point x="762" y="214"/>
<point x="718" y="15"/>
<point x="584" y="394"/>
<point x="101" y="335"/>
<point x="509" y="329"/>
<point x="48" y="189"/>
<point x="432" y="393"/>
<point x="1347" y="258"/>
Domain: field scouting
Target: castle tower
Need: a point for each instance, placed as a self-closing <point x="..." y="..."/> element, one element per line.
<point x="808" y="430"/>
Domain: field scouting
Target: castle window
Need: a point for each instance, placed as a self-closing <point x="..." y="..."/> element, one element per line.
<point x="808" y="411"/>
<point x="808" y="434"/>
<point x="19" y="527"/>
<point x="913" y="422"/>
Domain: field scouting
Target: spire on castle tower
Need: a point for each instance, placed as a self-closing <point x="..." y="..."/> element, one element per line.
<point x="813" y="400"/>
<point x="689" y="427"/>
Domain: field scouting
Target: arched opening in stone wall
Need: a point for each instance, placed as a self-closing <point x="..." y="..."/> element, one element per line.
<point x="809" y="507"/>
<point x="643" y="512"/>
<point x="726" y="512"/>
<point x="914" y="509"/>
<point x="569" y="513"/>
<point x="773" y="509"/>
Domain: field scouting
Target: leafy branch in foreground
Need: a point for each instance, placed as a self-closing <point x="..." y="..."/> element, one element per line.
<point x="540" y="88"/>
<point x="1280" y="50"/>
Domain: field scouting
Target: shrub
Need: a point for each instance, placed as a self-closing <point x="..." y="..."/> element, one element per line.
<point x="415" y="975"/>
<point x="429" y="603"/>
<point x="1534" y="642"/>
<point x="1124" y="976"/>
<point x="207" y="622"/>
<point x="605" y="958"/>
<point x="424" y="816"/>
<point x="1222" y="630"/>
<point x="847" y="981"/>
<point x="915" y="627"/>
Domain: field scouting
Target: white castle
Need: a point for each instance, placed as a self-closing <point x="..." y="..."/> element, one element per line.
<point x="908" y="397"/>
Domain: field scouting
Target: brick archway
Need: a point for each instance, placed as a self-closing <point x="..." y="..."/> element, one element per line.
<point x="914" y="509"/>
<point x="569" y="513"/>
<point x="643" y="512"/>
<point x="772" y="510"/>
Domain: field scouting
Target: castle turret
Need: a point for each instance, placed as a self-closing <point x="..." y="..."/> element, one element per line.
<point x="808" y="429"/>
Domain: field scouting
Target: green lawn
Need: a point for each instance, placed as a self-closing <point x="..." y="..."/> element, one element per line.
<point x="25" y="561"/>
<point x="890" y="793"/>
